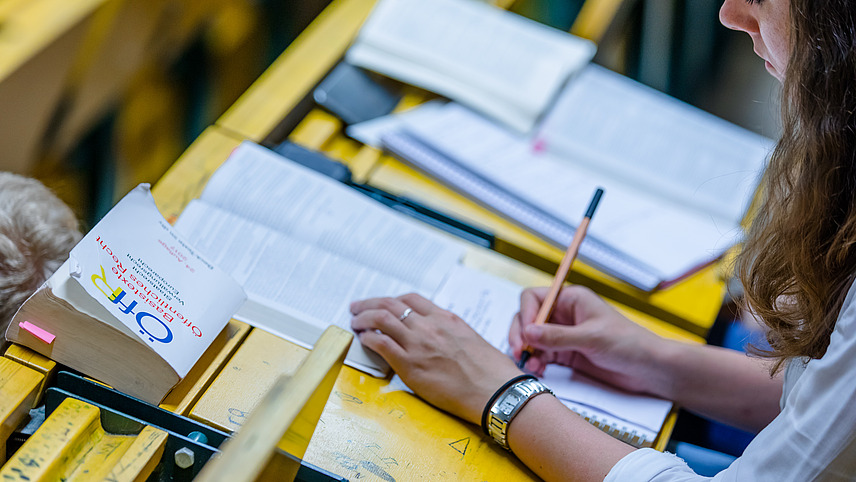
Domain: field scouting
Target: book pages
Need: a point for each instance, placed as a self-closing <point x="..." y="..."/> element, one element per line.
<point x="635" y="133"/>
<point x="295" y="289"/>
<point x="261" y="186"/>
<point x="305" y="246"/>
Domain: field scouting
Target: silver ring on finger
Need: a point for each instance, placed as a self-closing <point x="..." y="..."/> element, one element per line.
<point x="405" y="314"/>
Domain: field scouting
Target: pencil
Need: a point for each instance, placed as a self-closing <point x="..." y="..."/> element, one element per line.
<point x="549" y="304"/>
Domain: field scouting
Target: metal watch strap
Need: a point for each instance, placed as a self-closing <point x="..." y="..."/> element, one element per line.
<point x="508" y="404"/>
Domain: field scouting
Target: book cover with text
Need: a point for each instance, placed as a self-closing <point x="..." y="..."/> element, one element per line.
<point x="138" y="268"/>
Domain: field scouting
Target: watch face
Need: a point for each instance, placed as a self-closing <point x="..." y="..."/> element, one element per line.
<point x="509" y="403"/>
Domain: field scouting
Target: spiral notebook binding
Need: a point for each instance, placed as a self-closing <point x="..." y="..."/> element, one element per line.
<point x="628" y="436"/>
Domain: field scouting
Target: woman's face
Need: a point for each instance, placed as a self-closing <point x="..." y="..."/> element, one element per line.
<point x="768" y="23"/>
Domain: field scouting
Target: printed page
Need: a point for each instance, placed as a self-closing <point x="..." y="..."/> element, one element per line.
<point x="499" y="63"/>
<point x="284" y="272"/>
<point x="259" y="185"/>
<point x="151" y="280"/>
<point x="638" y="134"/>
<point x="662" y="234"/>
<point x="485" y="302"/>
<point x="295" y="289"/>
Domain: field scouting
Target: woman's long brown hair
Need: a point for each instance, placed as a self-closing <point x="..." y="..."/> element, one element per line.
<point x="800" y="255"/>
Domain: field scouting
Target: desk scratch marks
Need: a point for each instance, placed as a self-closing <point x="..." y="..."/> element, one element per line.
<point x="346" y="461"/>
<point x="377" y="470"/>
<point x="377" y="451"/>
<point x="354" y="466"/>
<point x="237" y="417"/>
<point x="397" y="413"/>
<point x="348" y="398"/>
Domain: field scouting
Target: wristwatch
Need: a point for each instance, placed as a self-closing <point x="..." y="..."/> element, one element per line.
<point x="506" y="406"/>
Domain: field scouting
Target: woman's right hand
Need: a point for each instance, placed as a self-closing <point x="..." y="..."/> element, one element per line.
<point x="587" y="334"/>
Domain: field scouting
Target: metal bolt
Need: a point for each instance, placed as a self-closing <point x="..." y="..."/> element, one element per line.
<point x="184" y="457"/>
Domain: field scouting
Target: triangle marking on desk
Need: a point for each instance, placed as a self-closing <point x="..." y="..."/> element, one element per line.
<point x="461" y="446"/>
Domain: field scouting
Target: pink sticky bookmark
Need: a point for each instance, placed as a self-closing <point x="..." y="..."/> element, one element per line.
<point x="39" y="333"/>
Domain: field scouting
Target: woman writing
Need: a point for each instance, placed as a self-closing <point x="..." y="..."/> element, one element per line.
<point x="797" y="268"/>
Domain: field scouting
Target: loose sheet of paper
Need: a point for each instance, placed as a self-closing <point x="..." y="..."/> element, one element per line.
<point x="488" y="304"/>
<point x="485" y="302"/>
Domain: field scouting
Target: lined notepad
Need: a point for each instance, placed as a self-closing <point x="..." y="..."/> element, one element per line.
<point x="677" y="180"/>
<point x="530" y="216"/>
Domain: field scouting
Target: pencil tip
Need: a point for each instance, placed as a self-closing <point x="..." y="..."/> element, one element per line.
<point x="524" y="357"/>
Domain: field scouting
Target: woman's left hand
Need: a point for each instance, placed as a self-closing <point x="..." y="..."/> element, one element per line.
<point x="436" y="353"/>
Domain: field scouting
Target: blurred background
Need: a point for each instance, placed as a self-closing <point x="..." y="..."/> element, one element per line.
<point x="97" y="96"/>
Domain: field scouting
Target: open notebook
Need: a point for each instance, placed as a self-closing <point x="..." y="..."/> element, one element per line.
<point x="678" y="180"/>
<point x="634" y="419"/>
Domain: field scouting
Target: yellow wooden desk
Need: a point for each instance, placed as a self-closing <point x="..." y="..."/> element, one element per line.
<point x="19" y="385"/>
<point x="368" y="429"/>
<point x="279" y="101"/>
<point x="280" y="97"/>
<point x="30" y="359"/>
<point x="73" y="445"/>
<point x="270" y="106"/>
<point x="113" y="51"/>
<point x="38" y="42"/>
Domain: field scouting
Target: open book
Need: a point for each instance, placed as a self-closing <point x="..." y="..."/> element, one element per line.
<point x="304" y="246"/>
<point x="501" y="64"/>
<point x="678" y="180"/>
<point x="134" y="306"/>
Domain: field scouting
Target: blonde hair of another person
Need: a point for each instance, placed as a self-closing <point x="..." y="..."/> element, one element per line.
<point x="37" y="231"/>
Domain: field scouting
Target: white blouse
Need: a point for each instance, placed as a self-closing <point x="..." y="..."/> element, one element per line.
<point x="813" y="438"/>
